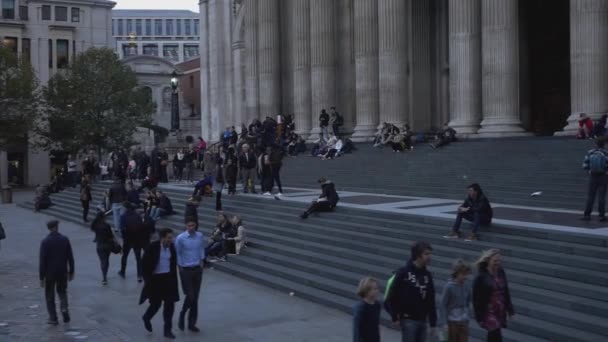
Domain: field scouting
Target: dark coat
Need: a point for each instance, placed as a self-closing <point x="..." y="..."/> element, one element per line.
<point x="328" y="190"/>
<point x="167" y="290"/>
<point x="480" y="205"/>
<point x="483" y="286"/>
<point x="191" y="211"/>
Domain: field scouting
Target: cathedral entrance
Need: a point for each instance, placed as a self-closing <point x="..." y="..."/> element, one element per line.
<point x="544" y="65"/>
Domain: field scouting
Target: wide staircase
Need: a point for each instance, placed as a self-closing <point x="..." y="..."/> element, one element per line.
<point x="558" y="281"/>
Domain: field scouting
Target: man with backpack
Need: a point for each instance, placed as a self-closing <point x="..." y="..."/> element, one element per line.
<point x="596" y="163"/>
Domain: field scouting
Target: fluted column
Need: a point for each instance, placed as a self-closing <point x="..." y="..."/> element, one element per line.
<point x="301" y="64"/>
<point x="251" y="62"/>
<point x="366" y="64"/>
<point x="588" y="60"/>
<point x="238" y="99"/>
<point x="465" y="65"/>
<point x="393" y="83"/>
<point x="204" y="79"/>
<point x="269" y="62"/>
<point x="500" y="68"/>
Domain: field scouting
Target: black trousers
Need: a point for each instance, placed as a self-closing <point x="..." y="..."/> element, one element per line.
<point x="104" y="261"/>
<point x="218" y="201"/>
<point x="126" y="248"/>
<point x="85" y="210"/>
<point x="494" y="336"/>
<point x="597" y="188"/>
<point x="276" y="177"/>
<point x="320" y="206"/>
<point x="57" y="284"/>
<point x="191" y="279"/>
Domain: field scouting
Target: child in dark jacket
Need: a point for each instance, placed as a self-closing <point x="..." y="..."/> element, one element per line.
<point x="366" y="313"/>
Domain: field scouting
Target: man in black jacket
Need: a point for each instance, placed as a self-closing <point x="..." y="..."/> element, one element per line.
<point x="117" y="196"/>
<point x="327" y="201"/>
<point x="411" y="296"/>
<point x="477" y="209"/>
<point x="160" y="281"/>
<point x="248" y="164"/>
<point x="56" y="268"/>
<point x="191" y="211"/>
<point x="136" y="236"/>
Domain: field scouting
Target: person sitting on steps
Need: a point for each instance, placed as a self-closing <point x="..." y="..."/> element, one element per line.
<point x="477" y="209"/>
<point x="445" y="137"/>
<point x="327" y="201"/>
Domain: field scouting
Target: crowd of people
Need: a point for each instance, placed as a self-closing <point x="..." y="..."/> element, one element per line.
<point x="402" y="139"/>
<point x="590" y="129"/>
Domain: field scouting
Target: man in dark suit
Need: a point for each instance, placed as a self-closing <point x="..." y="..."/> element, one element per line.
<point x="56" y="268"/>
<point x="160" y="281"/>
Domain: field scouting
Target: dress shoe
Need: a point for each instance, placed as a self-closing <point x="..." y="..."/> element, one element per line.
<point x="147" y="324"/>
<point x="193" y="328"/>
<point x="66" y="317"/>
<point x="169" y="334"/>
<point x="180" y="322"/>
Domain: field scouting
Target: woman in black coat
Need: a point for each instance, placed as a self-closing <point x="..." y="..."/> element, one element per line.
<point x="104" y="238"/>
<point x="491" y="296"/>
<point x="85" y="199"/>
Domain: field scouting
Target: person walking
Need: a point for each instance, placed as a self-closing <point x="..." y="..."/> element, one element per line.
<point x="491" y="296"/>
<point x="56" y="268"/>
<point x="190" y="250"/>
<point x="104" y="239"/>
<point x="366" y="315"/>
<point x="191" y="211"/>
<point x="455" y="303"/>
<point x="85" y="199"/>
<point x="160" y="281"/>
<point x="276" y="162"/>
<point x="117" y="195"/>
<point x="411" y="296"/>
<point x="219" y="181"/>
<point x="247" y="163"/>
<point x="596" y="163"/>
<point x="136" y="237"/>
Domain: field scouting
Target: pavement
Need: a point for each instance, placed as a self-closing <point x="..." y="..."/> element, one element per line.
<point x="230" y="309"/>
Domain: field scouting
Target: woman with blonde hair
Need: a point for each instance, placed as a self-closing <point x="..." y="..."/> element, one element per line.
<point x="240" y="238"/>
<point x="491" y="297"/>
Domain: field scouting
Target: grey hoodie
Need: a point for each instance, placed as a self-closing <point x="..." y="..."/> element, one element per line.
<point x="455" y="302"/>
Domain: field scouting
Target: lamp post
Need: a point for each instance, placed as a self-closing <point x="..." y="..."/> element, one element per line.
<point x="174" y="103"/>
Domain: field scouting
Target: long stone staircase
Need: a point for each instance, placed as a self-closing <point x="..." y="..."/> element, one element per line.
<point x="558" y="280"/>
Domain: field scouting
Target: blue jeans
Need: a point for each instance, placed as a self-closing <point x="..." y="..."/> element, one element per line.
<point x="117" y="211"/>
<point x="413" y="331"/>
<point x="475" y="218"/>
<point x="156" y="213"/>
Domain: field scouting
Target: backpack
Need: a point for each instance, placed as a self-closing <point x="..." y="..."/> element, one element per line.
<point x="389" y="284"/>
<point x="598" y="162"/>
<point x="84" y="196"/>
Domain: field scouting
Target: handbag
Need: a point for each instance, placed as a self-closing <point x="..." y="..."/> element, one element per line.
<point x="116" y="247"/>
<point x="2" y="232"/>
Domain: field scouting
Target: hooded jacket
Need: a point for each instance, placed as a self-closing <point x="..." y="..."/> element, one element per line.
<point x="328" y="191"/>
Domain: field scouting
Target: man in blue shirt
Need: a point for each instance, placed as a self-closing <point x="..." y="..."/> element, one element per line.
<point x="56" y="268"/>
<point x="190" y="249"/>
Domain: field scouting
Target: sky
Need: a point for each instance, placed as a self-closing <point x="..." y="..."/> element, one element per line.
<point x="157" y="4"/>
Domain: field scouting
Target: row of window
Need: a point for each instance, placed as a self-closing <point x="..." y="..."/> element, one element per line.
<point x="62" y="50"/>
<point x="143" y="27"/>
<point x="61" y="13"/>
<point x="170" y="51"/>
<point x="8" y="10"/>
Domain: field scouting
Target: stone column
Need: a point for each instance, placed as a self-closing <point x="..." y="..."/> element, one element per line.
<point x="269" y="61"/>
<point x="238" y="98"/>
<point x="500" y="63"/>
<point x="204" y="79"/>
<point x="465" y="65"/>
<point x="345" y="57"/>
<point x="322" y="56"/>
<point x="366" y="64"/>
<point x="251" y="61"/>
<point x="3" y="169"/>
<point x="393" y="61"/>
<point x="588" y="60"/>
<point x="301" y="64"/>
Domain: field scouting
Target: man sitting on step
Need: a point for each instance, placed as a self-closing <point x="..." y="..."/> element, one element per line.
<point x="327" y="201"/>
<point x="445" y="137"/>
<point x="476" y="209"/>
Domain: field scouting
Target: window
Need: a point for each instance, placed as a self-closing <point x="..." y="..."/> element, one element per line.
<point x="196" y="24"/>
<point x="46" y="12"/>
<point x="121" y="28"/>
<point x="61" y="13"/>
<point x="148" y="27"/>
<point x="178" y="27"/>
<point x="129" y="50"/>
<point x="75" y="14"/>
<point x="138" y="27"/>
<point x="63" y="54"/>
<point x="188" y="28"/>
<point x="158" y="27"/>
<point x="10" y="43"/>
<point x="8" y="9"/>
<point x="150" y="50"/>
<point x="170" y="52"/>
<point x="169" y="27"/>
<point x="129" y="26"/>
<point x="26" y="50"/>
<point x="23" y="13"/>
<point x="50" y="54"/>
<point x="191" y="81"/>
<point x="190" y="51"/>
<point x="113" y="27"/>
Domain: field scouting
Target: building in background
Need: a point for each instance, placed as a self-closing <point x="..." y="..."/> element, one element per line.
<point x="48" y="33"/>
<point x="169" y="34"/>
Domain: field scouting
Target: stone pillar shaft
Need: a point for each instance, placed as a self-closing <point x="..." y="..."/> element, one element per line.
<point x="588" y="60"/>
<point x="322" y="59"/>
<point x="465" y="65"/>
<point x="204" y="79"/>
<point x="500" y="63"/>
<point x="269" y="62"/>
<point x="366" y="64"/>
<point x="251" y="67"/>
<point x="393" y="56"/>
<point x="301" y="62"/>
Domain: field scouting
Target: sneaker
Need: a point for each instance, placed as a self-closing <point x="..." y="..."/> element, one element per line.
<point x="52" y="321"/>
<point x="280" y="194"/>
<point x="66" y="317"/>
<point x="221" y="258"/>
<point x="267" y="194"/>
<point x="472" y="237"/>
<point x="147" y="324"/>
<point x="453" y="235"/>
<point x="104" y="282"/>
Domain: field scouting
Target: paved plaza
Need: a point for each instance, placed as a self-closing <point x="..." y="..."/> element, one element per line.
<point x="231" y="309"/>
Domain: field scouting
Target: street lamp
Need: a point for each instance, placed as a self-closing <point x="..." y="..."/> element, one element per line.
<point x="174" y="102"/>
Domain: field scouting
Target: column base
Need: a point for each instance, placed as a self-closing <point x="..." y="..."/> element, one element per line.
<point x="500" y="128"/>
<point x="465" y="126"/>
<point x="364" y="133"/>
<point x="571" y="129"/>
